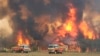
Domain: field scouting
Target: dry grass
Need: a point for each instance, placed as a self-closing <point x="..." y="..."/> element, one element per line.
<point x="46" y="54"/>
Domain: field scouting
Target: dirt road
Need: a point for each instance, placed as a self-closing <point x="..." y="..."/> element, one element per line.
<point x="46" y="54"/>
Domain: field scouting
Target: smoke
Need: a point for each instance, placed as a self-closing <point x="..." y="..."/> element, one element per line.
<point x="5" y="28"/>
<point x="3" y="8"/>
<point x="91" y="14"/>
<point x="95" y="5"/>
<point x="5" y="25"/>
<point x="40" y="18"/>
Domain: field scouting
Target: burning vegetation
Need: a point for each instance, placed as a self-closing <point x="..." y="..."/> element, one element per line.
<point x="21" y="39"/>
<point x="64" y="22"/>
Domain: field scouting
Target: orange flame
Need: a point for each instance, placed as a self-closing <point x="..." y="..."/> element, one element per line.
<point x="21" y="39"/>
<point x="72" y="12"/>
<point x="87" y="32"/>
<point x="69" y="27"/>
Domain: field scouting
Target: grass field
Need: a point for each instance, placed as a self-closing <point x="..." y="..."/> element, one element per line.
<point x="46" y="54"/>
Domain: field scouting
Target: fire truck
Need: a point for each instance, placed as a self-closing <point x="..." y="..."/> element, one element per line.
<point x="22" y="48"/>
<point x="55" y="48"/>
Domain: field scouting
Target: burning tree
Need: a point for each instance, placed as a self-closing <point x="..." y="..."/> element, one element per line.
<point x="51" y="21"/>
<point x="21" y="39"/>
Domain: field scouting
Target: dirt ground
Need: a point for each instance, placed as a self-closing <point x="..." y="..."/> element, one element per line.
<point x="46" y="54"/>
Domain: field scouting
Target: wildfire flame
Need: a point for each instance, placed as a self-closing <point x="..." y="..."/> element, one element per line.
<point x="70" y="28"/>
<point x="21" y="39"/>
<point x="87" y="32"/>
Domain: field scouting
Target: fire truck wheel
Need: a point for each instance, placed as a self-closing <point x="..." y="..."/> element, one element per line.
<point x="51" y="52"/>
<point x="59" y="52"/>
<point x="25" y="51"/>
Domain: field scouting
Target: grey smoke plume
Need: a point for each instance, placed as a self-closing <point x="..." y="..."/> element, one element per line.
<point x="38" y="17"/>
<point x="91" y="13"/>
<point x="5" y="25"/>
<point x="41" y="18"/>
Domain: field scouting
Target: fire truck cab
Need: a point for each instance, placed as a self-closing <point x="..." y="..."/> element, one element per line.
<point x="21" y="48"/>
<point x="55" y="48"/>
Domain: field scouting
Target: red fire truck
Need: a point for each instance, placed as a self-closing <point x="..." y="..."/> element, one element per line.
<point x="22" y="48"/>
